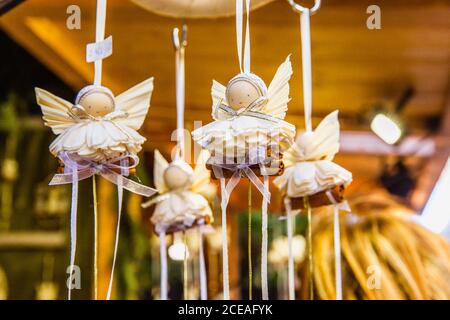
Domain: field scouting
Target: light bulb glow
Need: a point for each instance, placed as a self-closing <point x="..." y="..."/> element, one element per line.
<point x="177" y="251"/>
<point x="386" y="128"/>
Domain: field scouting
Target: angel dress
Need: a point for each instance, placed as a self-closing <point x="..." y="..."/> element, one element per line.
<point x="248" y="116"/>
<point x="98" y="127"/>
<point x="309" y="166"/>
<point x="182" y="201"/>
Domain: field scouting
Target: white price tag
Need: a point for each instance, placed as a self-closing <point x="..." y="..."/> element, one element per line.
<point x="99" y="50"/>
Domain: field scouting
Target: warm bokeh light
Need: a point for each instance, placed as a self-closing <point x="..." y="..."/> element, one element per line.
<point x="386" y="128"/>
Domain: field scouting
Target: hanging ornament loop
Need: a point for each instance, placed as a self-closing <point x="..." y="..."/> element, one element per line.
<point x="300" y="9"/>
<point x="179" y="46"/>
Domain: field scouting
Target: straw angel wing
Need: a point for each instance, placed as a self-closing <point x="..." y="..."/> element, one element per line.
<point x="135" y="102"/>
<point x="57" y="112"/>
<point x="60" y="114"/>
<point x="159" y="167"/>
<point x="278" y="91"/>
<point x="202" y="177"/>
<point x="321" y="144"/>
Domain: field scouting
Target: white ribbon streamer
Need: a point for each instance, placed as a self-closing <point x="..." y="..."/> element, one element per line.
<point x="264" y="242"/>
<point x="245" y="66"/>
<point x="99" y="37"/>
<point x="73" y="223"/>
<point x="306" y="64"/>
<point x="223" y="205"/>
<point x="203" y="279"/>
<point x="116" y="242"/>
<point x="163" y="258"/>
<point x="337" y="242"/>
<point x="291" y="275"/>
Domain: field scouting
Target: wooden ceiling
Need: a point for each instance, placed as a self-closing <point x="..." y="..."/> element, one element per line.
<point x="353" y="67"/>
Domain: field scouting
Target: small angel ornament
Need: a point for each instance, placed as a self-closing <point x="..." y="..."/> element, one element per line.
<point x="182" y="200"/>
<point x="248" y="116"/>
<point x="181" y="204"/>
<point x="310" y="170"/>
<point x="98" y="127"/>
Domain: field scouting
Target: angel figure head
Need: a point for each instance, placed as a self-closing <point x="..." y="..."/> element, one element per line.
<point x="310" y="170"/>
<point x="182" y="202"/>
<point x="246" y="90"/>
<point x="98" y="127"/>
<point x="96" y="101"/>
<point x="248" y="117"/>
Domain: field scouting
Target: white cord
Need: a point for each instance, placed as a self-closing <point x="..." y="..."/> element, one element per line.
<point x="224" y="202"/>
<point x="291" y="275"/>
<point x="99" y="36"/>
<point x="264" y="282"/>
<point x="163" y="257"/>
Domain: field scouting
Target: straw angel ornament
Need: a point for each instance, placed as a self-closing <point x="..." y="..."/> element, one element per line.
<point x="181" y="202"/>
<point x="311" y="178"/>
<point x="97" y="135"/>
<point x="183" y="192"/>
<point x="98" y="127"/>
<point x="310" y="170"/>
<point x="248" y="135"/>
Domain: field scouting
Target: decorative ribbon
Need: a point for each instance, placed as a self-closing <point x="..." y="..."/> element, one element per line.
<point x="224" y="112"/>
<point x="291" y="275"/>
<point x="337" y="242"/>
<point x="75" y="171"/>
<point x="203" y="279"/>
<point x="306" y="65"/>
<point x="163" y="257"/>
<point x="264" y="242"/>
<point x="223" y="205"/>
<point x="226" y="189"/>
<point x="243" y="65"/>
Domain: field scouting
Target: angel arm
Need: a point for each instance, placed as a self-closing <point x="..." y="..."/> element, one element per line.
<point x="278" y="91"/>
<point x="135" y="103"/>
<point x="57" y="112"/>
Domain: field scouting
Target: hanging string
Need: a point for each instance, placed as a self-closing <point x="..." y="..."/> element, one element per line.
<point x="185" y="268"/>
<point x="94" y="193"/>
<point x="310" y="254"/>
<point x="306" y="65"/>
<point x="180" y="86"/>
<point x="250" y="267"/>
<point x="291" y="275"/>
<point x="99" y="36"/>
<point x="203" y="279"/>
<point x="244" y="65"/>
<point x="163" y="257"/>
<point x="264" y="281"/>
<point x="337" y="253"/>
<point x="226" y="284"/>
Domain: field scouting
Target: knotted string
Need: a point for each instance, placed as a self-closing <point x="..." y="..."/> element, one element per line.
<point x="244" y="66"/>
